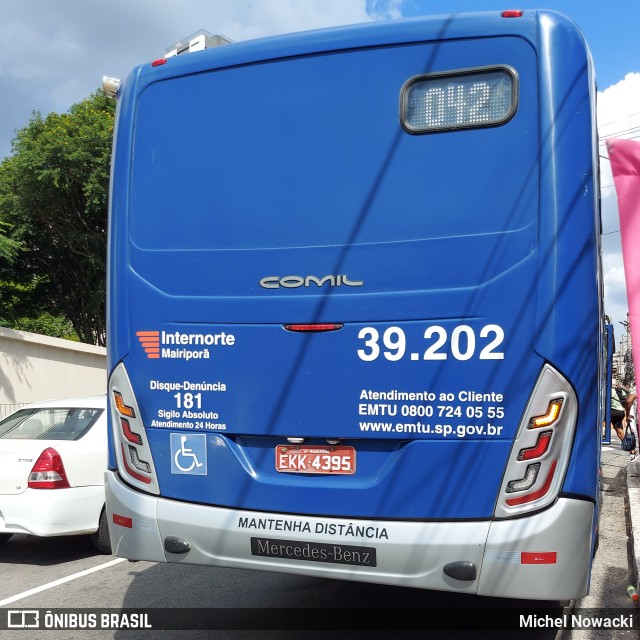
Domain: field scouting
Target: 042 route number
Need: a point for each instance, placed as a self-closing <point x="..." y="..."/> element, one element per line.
<point x="462" y="344"/>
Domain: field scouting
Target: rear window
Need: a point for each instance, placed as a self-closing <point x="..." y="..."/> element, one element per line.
<point x="310" y="152"/>
<point x="48" y="424"/>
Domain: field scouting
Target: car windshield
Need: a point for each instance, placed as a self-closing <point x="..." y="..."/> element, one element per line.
<point x="48" y="424"/>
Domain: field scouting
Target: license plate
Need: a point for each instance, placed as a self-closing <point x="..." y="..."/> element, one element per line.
<point x="327" y="460"/>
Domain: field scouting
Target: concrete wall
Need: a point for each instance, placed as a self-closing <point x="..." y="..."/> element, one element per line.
<point x="35" y="367"/>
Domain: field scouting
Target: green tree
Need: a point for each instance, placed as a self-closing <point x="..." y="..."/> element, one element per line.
<point x="8" y="248"/>
<point x="53" y="197"/>
<point x="19" y="311"/>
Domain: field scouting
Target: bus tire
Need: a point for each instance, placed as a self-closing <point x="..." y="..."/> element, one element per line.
<point x="100" y="539"/>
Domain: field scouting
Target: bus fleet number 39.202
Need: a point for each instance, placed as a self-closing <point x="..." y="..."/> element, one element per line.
<point x="462" y="344"/>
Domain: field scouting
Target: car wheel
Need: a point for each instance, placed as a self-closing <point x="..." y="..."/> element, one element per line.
<point x="100" y="539"/>
<point x="4" y="537"/>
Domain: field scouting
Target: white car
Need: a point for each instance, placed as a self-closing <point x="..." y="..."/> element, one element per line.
<point x="53" y="456"/>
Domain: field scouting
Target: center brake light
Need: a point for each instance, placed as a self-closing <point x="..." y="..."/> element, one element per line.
<point x="48" y="472"/>
<point x="314" y="327"/>
<point x="540" y="454"/>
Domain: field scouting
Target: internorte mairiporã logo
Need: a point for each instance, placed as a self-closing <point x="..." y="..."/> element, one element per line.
<point x="184" y="346"/>
<point x="150" y="341"/>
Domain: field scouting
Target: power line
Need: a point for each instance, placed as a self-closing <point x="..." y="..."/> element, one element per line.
<point x="617" y="133"/>
<point x="616" y="120"/>
<point x="623" y="132"/>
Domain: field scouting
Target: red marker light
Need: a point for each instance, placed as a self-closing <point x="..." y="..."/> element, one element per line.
<point x="512" y="13"/>
<point x="159" y="62"/>
<point x="123" y="521"/>
<point x="546" y="557"/>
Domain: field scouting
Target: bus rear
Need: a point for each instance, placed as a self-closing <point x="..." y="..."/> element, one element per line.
<point x="354" y="307"/>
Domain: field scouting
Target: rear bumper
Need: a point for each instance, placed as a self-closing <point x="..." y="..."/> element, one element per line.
<point x="55" y="512"/>
<point x="538" y="557"/>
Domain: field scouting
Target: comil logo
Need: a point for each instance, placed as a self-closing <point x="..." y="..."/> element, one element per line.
<point x="293" y="282"/>
<point x="150" y="341"/>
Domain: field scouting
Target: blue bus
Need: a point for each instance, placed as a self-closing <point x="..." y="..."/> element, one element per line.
<point x="355" y="306"/>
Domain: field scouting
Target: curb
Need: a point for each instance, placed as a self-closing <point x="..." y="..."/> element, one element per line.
<point x="633" y="492"/>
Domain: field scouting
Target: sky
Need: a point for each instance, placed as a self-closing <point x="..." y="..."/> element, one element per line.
<point x="55" y="52"/>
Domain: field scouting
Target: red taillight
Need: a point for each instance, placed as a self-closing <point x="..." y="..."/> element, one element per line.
<point x="512" y="13"/>
<point x="541" y="447"/>
<point x="540" y="454"/>
<point x="48" y="472"/>
<point x="131" y="436"/>
<point x="135" y="461"/>
<point x="326" y="326"/>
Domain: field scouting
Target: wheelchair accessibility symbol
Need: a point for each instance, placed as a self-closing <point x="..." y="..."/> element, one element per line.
<point x="189" y="454"/>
